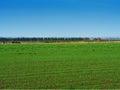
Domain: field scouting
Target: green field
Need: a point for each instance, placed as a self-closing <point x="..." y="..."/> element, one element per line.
<point x="60" y="66"/>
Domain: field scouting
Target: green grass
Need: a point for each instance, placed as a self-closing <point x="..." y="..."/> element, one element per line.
<point x="60" y="66"/>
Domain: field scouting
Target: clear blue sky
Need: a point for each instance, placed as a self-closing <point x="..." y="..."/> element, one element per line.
<point x="59" y="18"/>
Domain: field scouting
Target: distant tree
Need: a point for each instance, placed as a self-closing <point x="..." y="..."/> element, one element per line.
<point x="16" y="42"/>
<point x="97" y="39"/>
<point x="3" y="42"/>
<point x="86" y="39"/>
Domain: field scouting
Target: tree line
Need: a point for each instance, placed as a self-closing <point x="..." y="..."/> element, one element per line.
<point x="48" y="39"/>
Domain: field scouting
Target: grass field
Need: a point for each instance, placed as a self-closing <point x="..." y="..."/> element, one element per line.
<point x="60" y="66"/>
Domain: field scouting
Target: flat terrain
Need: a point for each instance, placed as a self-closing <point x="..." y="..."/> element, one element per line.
<point x="92" y="65"/>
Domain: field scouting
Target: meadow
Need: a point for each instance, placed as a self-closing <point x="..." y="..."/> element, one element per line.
<point x="60" y="66"/>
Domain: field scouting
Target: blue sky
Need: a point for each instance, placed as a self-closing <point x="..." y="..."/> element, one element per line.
<point x="59" y="18"/>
